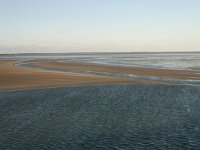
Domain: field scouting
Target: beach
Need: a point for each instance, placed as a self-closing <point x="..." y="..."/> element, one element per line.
<point x="52" y="73"/>
<point x="99" y="75"/>
<point x="16" y="77"/>
<point x="12" y="77"/>
<point x="76" y="102"/>
<point x="174" y="74"/>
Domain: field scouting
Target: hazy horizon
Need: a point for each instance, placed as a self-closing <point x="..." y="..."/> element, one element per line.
<point x="69" y="26"/>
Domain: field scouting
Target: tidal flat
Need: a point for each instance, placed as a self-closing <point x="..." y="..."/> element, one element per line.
<point x="118" y="116"/>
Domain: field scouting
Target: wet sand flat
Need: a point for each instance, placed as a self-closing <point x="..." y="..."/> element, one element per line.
<point x="174" y="74"/>
<point x="15" y="77"/>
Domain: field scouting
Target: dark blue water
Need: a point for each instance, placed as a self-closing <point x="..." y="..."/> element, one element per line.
<point x="101" y="117"/>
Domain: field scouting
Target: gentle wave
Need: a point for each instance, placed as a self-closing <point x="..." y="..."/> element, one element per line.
<point x="101" y="117"/>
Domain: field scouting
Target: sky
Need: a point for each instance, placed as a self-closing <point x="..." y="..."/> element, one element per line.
<point x="28" y="26"/>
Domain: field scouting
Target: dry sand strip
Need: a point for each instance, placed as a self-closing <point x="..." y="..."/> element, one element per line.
<point x="173" y="74"/>
<point x="13" y="77"/>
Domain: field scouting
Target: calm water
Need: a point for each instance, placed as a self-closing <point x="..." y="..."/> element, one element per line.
<point x="179" y="61"/>
<point x="101" y="117"/>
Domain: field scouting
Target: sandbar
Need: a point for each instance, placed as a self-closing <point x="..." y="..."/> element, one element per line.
<point x="14" y="77"/>
<point x="169" y="73"/>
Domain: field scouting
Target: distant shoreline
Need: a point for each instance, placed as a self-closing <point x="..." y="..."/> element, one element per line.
<point x="93" y="53"/>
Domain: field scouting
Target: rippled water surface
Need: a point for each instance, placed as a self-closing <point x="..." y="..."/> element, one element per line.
<point x="185" y="61"/>
<point x="101" y="117"/>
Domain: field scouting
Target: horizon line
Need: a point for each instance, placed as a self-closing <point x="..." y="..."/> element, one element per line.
<point x="24" y="53"/>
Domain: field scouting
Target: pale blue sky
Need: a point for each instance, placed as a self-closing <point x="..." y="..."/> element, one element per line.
<point x="99" y="25"/>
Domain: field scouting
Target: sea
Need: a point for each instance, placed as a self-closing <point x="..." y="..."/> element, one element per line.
<point x="179" y="61"/>
<point x="174" y="61"/>
<point x="105" y="117"/>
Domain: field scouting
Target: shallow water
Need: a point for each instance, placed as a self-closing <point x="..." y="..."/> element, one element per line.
<point x="178" y="61"/>
<point x="101" y="117"/>
<point x="193" y="82"/>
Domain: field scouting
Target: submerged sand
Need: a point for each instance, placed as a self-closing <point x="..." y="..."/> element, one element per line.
<point x="15" y="77"/>
<point x="20" y="77"/>
<point x="174" y="74"/>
